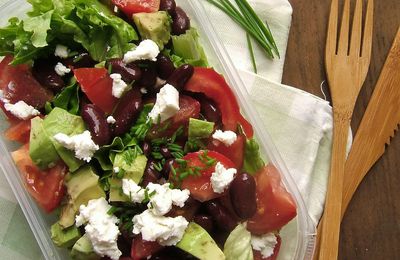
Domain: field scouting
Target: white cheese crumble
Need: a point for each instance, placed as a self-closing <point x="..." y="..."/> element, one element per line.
<point x="111" y="120"/>
<point x="221" y="177"/>
<point x="82" y="144"/>
<point x="167" y="231"/>
<point x="146" y="50"/>
<point x="61" y="70"/>
<point x="226" y="137"/>
<point x="265" y="244"/>
<point x="119" y="86"/>
<point x="167" y="104"/>
<point x="116" y="169"/>
<point x="115" y="9"/>
<point x="20" y="109"/>
<point x="101" y="228"/>
<point x="61" y="51"/>
<point x="143" y="90"/>
<point x="133" y="191"/>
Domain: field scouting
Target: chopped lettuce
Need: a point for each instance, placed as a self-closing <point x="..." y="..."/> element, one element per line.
<point x="75" y="23"/>
<point x="67" y="99"/>
<point x="252" y="161"/>
<point x="238" y="244"/>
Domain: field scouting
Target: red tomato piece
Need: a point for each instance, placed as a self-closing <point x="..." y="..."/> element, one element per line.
<point x="275" y="206"/>
<point x="234" y="151"/>
<point x="141" y="249"/>
<point x="257" y="254"/>
<point x="19" y="131"/>
<point x="130" y="7"/>
<point x="46" y="187"/>
<point x="97" y="85"/>
<point x="200" y="186"/>
<point x="214" y="86"/>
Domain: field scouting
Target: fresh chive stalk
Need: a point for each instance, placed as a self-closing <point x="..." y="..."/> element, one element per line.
<point x="244" y="15"/>
<point x="253" y="58"/>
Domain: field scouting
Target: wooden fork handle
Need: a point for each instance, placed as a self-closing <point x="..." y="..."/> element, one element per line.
<point x="333" y="204"/>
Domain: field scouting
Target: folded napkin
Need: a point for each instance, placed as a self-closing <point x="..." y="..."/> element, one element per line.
<point x="299" y="123"/>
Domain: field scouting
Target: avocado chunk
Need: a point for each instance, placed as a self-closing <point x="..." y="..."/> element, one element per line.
<point x="83" y="250"/>
<point x="60" y="121"/>
<point x="41" y="149"/>
<point x="197" y="242"/>
<point x="132" y="168"/>
<point x="200" y="128"/>
<point x="154" y="26"/>
<point x="64" y="237"/>
<point x="82" y="186"/>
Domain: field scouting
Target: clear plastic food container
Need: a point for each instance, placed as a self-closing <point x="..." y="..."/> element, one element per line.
<point x="297" y="236"/>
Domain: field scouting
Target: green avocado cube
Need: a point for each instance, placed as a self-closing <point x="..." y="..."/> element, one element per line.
<point x="200" y="128"/>
<point x="64" y="237"/>
<point x="154" y="26"/>
<point x="83" y="250"/>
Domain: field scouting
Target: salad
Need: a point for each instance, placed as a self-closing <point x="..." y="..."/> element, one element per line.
<point x="132" y="137"/>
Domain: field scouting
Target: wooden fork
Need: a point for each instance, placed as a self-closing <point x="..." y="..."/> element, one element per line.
<point x="346" y="66"/>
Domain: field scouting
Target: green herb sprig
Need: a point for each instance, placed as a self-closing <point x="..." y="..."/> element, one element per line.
<point x="244" y="15"/>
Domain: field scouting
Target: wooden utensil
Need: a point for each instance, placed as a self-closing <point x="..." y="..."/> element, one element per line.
<point x="346" y="69"/>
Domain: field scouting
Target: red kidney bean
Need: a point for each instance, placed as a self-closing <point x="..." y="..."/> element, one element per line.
<point x="129" y="72"/>
<point x="210" y="111"/>
<point x="205" y="221"/>
<point x="43" y="71"/>
<point x="127" y="110"/>
<point x="221" y="216"/>
<point x="243" y="195"/>
<point x="82" y="60"/>
<point x="167" y="168"/>
<point x="164" y="66"/>
<point x="146" y="149"/>
<point x="181" y="76"/>
<point x="180" y="22"/>
<point x="165" y="152"/>
<point x="168" y="5"/>
<point x="97" y="124"/>
<point x="149" y="76"/>
<point x="150" y="173"/>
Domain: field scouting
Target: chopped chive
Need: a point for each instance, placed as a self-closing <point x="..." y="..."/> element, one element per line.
<point x="253" y="58"/>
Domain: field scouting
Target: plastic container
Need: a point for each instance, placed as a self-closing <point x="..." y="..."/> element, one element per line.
<point x="297" y="236"/>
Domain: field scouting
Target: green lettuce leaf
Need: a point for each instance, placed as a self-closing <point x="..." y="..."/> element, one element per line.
<point x="252" y="161"/>
<point x="38" y="25"/>
<point x="68" y="98"/>
<point x="238" y="244"/>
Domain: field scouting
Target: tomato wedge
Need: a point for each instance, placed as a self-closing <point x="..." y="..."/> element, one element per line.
<point x="214" y="86"/>
<point x="141" y="249"/>
<point x="97" y="85"/>
<point x="200" y="186"/>
<point x="46" y="187"/>
<point x="257" y="254"/>
<point x="234" y="151"/>
<point x="19" y="131"/>
<point x="275" y="206"/>
<point x="130" y="7"/>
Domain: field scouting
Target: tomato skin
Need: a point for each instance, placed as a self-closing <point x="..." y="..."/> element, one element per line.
<point x="257" y="254"/>
<point x="141" y="249"/>
<point x="97" y="85"/>
<point x="19" y="131"/>
<point x="130" y="7"/>
<point x="214" y="86"/>
<point x="275" y="206"/>
<point x="234" y="152"/>
<point x="46" y="187"/>
<point x="200" y="186"/>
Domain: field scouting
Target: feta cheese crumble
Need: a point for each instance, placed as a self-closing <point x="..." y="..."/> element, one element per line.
<point x="20" y="109"/>
<point x="167" y="231"/>
<point x="222" y="177"/>
<point x="119" y="86"/>
<point x="133" y="191"/>
<point x="143" y="90"/>
<point x="167" y="104"/>
<point x="61" y="51"/>
<point x="111" y="120"/>
<point x="265" y="244"/>
<point x="101" y="229"/>
<point x="146" y="50"/>
<point x="226" y="137"/>
<point x="82" y="144"/>
<point x="61" y="70"/>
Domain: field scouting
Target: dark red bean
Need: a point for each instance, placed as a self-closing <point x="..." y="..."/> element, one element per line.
<point x="205" y="222"/>
<point x="180" y="22"/>
<point x="169" y="6"/>
<point x="146" y="149"/>
<point x="149" y="76"/>
<point x="129" y="72"/>
<point x="221" y="216"/>
<point x="243" y="195"/>
<point x="165" y="152"/>
<point x="43" y="71"/>
<point x="164" y="66"/>
<point x="150" y="173"/>
<point x="96" y="123"/>
<point x="210" y="111"/>
<point x="82" y="60"/>
<point x="127" y="110"/>
<point x="180" y="76"/>
<point x="167" y="168"/>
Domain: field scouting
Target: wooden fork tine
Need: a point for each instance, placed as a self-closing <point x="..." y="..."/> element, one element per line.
<point x="367" y="40"/>
<point x="332" y="28"/>
<point x="355" y="42"/>
<point x="344" y="29"/>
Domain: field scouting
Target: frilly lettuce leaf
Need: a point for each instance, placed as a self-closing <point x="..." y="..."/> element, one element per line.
<point x="238" y="244"/>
